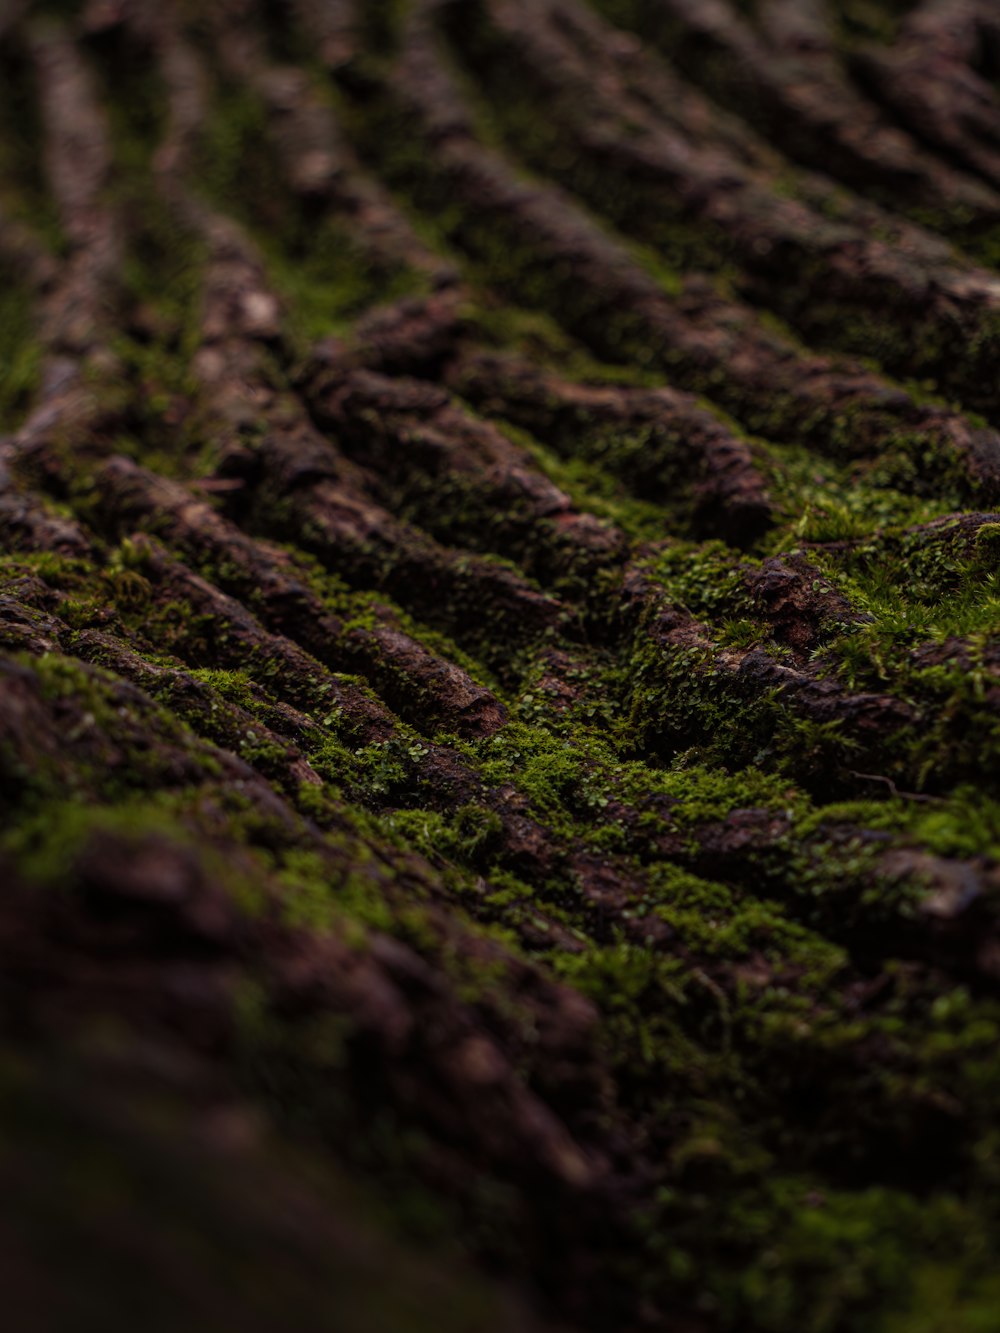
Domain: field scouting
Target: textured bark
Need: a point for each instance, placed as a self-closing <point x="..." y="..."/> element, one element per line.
<point x="500" y="665"/>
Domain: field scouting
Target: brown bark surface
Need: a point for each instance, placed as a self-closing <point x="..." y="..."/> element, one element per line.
<point x="500" y="665"/>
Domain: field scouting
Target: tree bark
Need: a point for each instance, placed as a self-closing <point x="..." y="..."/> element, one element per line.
<point x="500" y="665"/>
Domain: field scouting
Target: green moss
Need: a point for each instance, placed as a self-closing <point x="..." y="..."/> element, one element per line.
<point x="861" y="21"/>
<point x="505" y="94"/>
<point x="135" y="97"/>
<point x="786" y="1248"/>
<point x="329" y="280"/>
<point x="470" y="835"/>
<point x="501" y="256"/>
<point x="928" y="601"/>
<point x="809" y="1105"/>
<point x="320" y="266"/>
<point x="20" y="352"/>
<point x="720" y="72"/>
<point x="48" y="847"/>
<point x="316" y="899"/>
